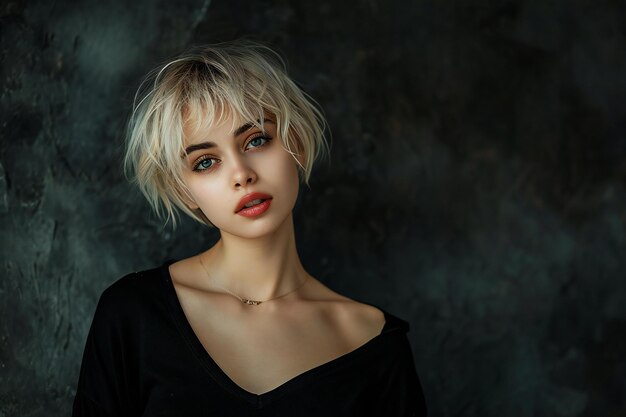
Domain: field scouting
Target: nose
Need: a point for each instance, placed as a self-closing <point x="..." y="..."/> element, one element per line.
<point x="243" y="174"/>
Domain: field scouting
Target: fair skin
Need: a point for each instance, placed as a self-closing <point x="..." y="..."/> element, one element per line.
<point x="257" y="258"/>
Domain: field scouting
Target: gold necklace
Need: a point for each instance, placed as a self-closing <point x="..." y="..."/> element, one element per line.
<point x="246" y="300"/>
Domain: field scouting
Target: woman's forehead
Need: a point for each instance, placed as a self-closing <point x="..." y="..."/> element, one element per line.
<point x="228" y="122"/>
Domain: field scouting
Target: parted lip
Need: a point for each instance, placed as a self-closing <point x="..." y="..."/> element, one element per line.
<point x="249" y="197"/>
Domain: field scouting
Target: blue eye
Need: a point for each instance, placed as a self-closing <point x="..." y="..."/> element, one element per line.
<point x="204" y="164"/>
<point x="259" y="141"/>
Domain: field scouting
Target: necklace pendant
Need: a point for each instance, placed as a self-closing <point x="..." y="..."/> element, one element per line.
<point x="251" y="302"/>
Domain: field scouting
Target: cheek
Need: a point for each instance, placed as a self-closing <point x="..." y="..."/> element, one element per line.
<point x="286" y="170"/>
<point x="201" y="190"/>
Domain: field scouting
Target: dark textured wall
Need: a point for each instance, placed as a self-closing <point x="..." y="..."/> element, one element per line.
<point x="477" y="184"/>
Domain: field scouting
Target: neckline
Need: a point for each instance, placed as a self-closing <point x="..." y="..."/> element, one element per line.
<point x="227" y="383"/>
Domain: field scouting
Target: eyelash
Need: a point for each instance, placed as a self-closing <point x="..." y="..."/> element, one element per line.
<point x="203" y="158"/>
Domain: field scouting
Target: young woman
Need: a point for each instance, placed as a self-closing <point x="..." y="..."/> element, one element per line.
<point x="241" y="329"/>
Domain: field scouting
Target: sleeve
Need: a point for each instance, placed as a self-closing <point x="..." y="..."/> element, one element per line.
<point x="104" y="383"/>
<point x="401" y="393"/>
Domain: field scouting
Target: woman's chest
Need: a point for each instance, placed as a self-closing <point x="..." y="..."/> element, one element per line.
<point x="207" y="361"/>
<point x="262" y="354"/>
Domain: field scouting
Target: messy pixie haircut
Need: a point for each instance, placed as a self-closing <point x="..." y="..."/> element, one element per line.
<point x="243" y="79"/>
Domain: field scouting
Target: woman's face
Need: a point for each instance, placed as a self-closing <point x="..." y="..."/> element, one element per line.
<point x="226" y="162"/>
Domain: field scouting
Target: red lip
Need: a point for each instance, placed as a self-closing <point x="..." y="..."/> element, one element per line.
<point x="249" y="197"/>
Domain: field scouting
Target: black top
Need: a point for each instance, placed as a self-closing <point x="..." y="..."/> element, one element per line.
<point x="142" y="358"/>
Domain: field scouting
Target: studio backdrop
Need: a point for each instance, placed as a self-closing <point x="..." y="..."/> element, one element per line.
<point x="476" y="186"/>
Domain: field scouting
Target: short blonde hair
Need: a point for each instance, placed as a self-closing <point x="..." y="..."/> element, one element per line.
<point x="243" y="77"/>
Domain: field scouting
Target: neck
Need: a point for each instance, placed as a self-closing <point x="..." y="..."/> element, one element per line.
<point x="259" y="268"/>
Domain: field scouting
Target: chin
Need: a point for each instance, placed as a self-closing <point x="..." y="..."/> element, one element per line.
<point x="254" y="228"/>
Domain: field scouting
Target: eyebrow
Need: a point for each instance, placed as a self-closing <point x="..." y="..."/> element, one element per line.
<point x="208" y="145"/>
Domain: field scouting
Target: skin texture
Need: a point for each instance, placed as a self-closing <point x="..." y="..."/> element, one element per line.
<point x="256" y="258"/>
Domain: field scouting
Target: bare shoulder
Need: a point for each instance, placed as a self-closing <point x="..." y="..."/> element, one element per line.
<point x="356" y="320"/>
<point x="360" y="320"/>
<point x="181" y="269"/>
<point x="185" y="273"/>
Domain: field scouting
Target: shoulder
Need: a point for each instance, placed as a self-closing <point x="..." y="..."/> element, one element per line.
<point x="354" y="316"/>
<point x="371" y="318"/>
<point x="129" y="291"/>
<point x="357" y="317"/>
<point x="349" y="315"/>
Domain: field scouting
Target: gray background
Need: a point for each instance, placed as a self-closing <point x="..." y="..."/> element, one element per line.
<point x="477" y="184"/>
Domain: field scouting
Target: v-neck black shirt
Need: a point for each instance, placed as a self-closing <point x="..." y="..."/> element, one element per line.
<point x="142" y="358"/>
